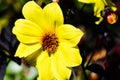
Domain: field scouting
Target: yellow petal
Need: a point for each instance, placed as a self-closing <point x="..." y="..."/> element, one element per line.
<point x="87" y="1"/>
<point x="26" y="50"/>
<point x="71" y="56"/>
<point x="32" y="11"/>
<point x="60" y="71"/>
<point x="69" y="34"/>
<point x="27" y="31"/>
<point x="52" y="15"/>
<point x="44" y="67"/>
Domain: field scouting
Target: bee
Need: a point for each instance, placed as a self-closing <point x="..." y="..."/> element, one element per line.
<point x="110" y="16"/>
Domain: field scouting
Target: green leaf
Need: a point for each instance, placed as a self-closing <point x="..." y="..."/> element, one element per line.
<point x="87" y="8"/>
<point x="3" y="7"/>
<point x="47" y="1"/>
<point x="3" y="23"/>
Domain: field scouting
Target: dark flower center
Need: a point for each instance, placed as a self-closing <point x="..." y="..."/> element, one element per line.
<point x="50" y="42"/>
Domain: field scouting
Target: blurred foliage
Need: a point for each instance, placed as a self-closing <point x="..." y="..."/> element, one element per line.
<point x="17" y="72"/>
<point x="99" y="47"/>
<point x="8" y="8"/>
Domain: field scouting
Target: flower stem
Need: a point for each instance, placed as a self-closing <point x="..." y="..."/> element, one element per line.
<point x="74" y="75"/>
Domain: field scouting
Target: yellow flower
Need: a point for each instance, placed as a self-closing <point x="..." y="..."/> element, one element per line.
<point x="45" y="38"/>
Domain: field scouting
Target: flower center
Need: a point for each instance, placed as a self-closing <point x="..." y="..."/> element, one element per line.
<point x="50" y="42"/>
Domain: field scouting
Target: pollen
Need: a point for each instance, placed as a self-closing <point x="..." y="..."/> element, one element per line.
<point x="50" y="42"/>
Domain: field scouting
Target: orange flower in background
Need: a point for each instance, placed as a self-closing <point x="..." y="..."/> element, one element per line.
<point x="47" y="42"/>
